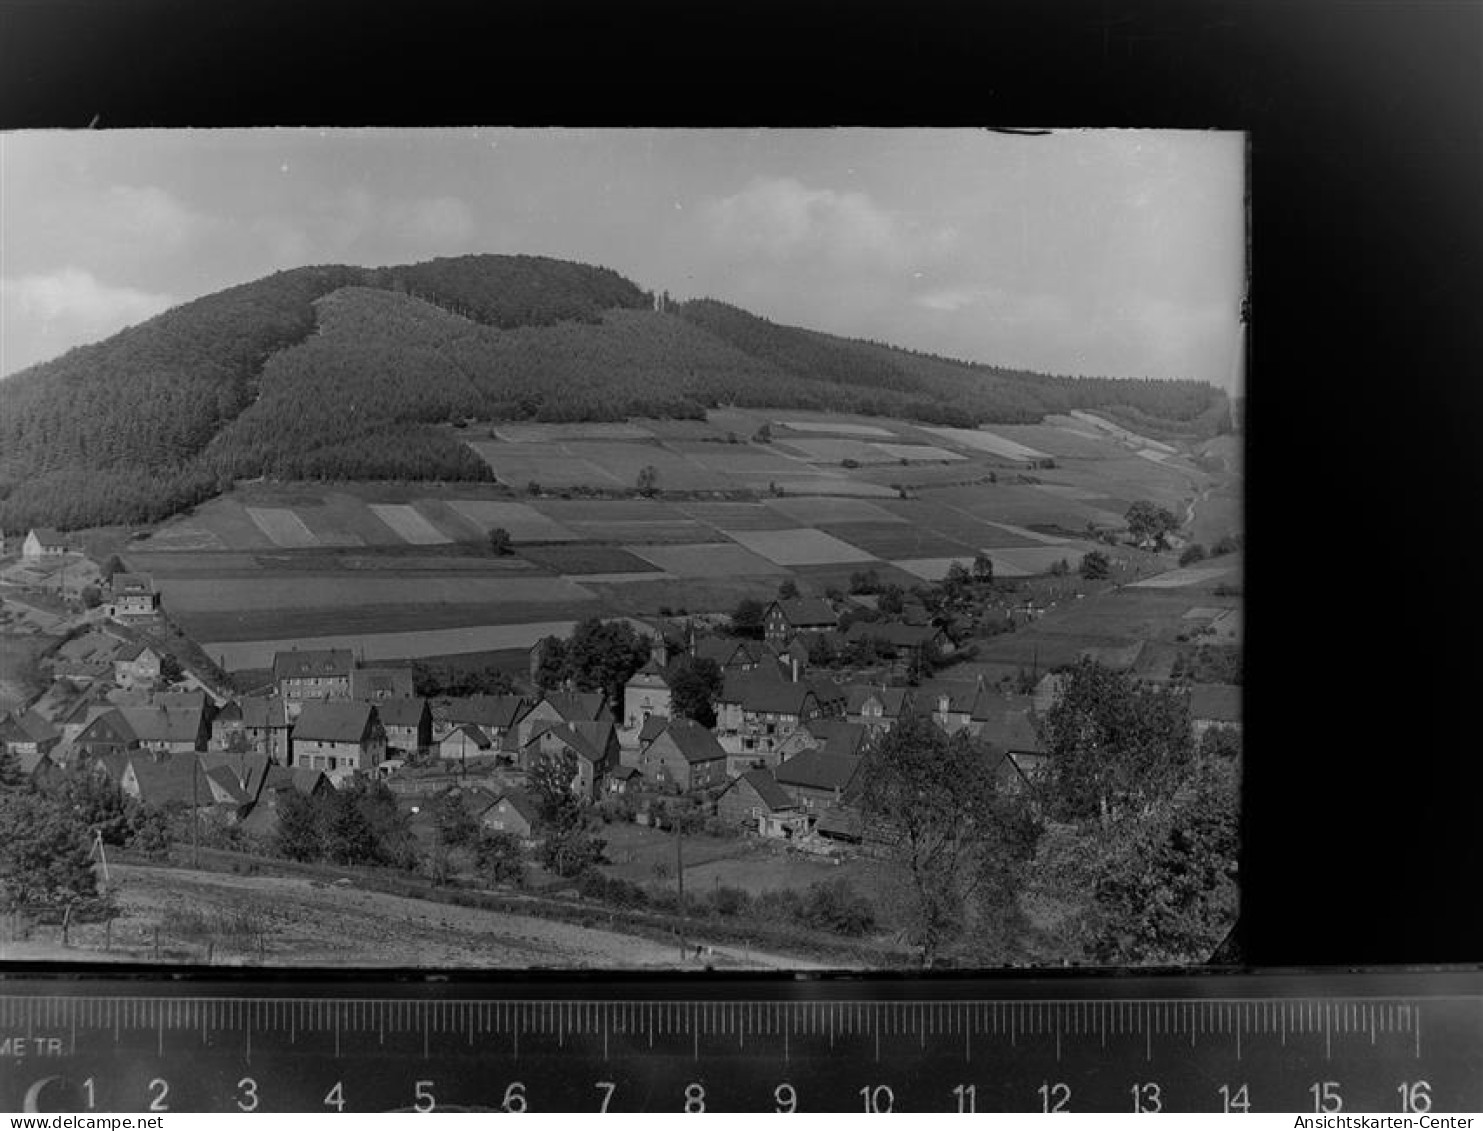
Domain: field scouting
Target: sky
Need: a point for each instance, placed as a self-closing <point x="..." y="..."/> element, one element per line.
<point x="1099" y="252"/>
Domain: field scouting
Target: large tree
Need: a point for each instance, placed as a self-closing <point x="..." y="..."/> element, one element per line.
<point x="568" y="848"/>
<point x="600" y="655"/>
<point x="45" y="855"/>
<point x="747" y="617"/>
<point x="694" y="684"/>
<point x="1116" y="743"/>
<point x="933" y="797"/>
<point x="1149" y="522"/>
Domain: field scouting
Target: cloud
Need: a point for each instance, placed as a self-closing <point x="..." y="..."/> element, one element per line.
<point x="149" y="217"/>
<point x="441" y="222"/>
<point x="782" y="219"/>
<point x="46" y="314"/>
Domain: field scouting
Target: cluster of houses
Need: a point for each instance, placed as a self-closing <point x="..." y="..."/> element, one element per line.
<point x="784" y="759"/>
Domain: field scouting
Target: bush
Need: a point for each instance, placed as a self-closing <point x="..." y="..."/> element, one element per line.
<point x="1194" y="552"/>
<point x="1095" y="566"/>
<point x="834" y="905"/>
<point x="1228" y="544"/>
<point x="730" y="901"/>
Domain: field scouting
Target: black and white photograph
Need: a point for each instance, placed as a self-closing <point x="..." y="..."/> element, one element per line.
<point x="615" y="549"/>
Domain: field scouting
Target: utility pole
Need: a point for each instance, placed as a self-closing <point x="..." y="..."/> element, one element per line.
<point x="195" y="816"/>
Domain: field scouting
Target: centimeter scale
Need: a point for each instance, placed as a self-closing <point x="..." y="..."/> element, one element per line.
<point x="1388" y="1041"/>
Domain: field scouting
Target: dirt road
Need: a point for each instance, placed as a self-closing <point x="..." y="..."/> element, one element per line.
<point x="304" y="922"/>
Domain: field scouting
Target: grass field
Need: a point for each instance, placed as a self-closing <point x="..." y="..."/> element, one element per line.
<point x="1026" y="561"/>
<point x="717" y="559"/>
<point x="556" y="433"/>
<point x="979" y="440"/>
<point x="1190" y="576"/>
<point x="932" y="569"/>
<point x="409" y="524"/>
<point x="832" y="450"/>
<point x="283" y="527"/>
<point x="817" y="511"/>
<point x="836" y="485"/>
<point x="738" y="516"/>
<point x="580" y="558"/>
<point x="799" y="547"/>
<point x="925" y="452"/>
<point x="843" y="428"/>
<point x="1105" y="425"/>
<point x="899" y="540"/>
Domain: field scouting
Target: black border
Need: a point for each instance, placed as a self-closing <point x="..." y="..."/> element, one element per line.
<point x="1366" y="127"/>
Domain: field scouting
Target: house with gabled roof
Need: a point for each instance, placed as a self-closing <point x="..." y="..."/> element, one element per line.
<point x="408" y="723"/>
<point x="515" y="813"/>
<point x="835" y="736"/>
<point x="785" y="619"/>
<point x="169" y="730"/>
<point x="732" y="653"/>
<point x="134" y="595"/>
<point x="685" y="756"/>
<point x="757" y="803"/>
<point x="561" y="707"/>
<point x="267" y="727"/>
<point x="339" y="737"/>
<point x="594" y="745"/>
<point x="305" y="675"/>
<point x="879" y="708"/>
<point x="26" y="734"/>
<point x="45" y="542"/>
<point x="465" y="741"/>
<point x="754" y="715"/>
<point x="496" y="716"/>
<point x="372" y="685"/>
<point x="137" y="665"/>
<point x="816" y="779"/>
<point x="108" y="733"/>
<point x="900" y="640"/>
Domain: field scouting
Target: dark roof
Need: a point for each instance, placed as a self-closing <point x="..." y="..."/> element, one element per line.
<point x="893" y="699"/>
<point x="165" y="724"/>
<point x="248" y="770"/>
<point x="846" y="824"/>
<point x="774" y="796"/>
<point x="331" y="721"/>
<point x="624" y="773"/>
<point x="815" y="769"/>
<point x="132" y="583"/>
<point x="1217" y="702"/>
<point x="401" y="712"/>
<point x="522" y="803"/>
<point x="1013" y="732"/>
<point x="263" y="712"/>
<point x="587" y="740"/>
<point x="961" y="695"/>
<point x="801" y="611"/>
<point x="49" y="536"/>
<point x="381" y="683"/>
<point x="653" y="727"/>
<point x="231" y="712"/>
<point x="499" y="712"/>
<point x="308" y="663"/>
<point x="174" y="777"/>
<point x="181" y="700"/>
<point x="651" y="673"/>
<point x="473" y="732"/>
<point x="131" y="652"/>
<point x="894" y="633"/>
<point x="109" y="726"/>
<point x="27" y="726"/>
<point x="577" y="706"/>
<point x="721" y="649"/>
<point x="763" y="693"/>
<point x="694" y="741"/>
<point x="836" y="736"/>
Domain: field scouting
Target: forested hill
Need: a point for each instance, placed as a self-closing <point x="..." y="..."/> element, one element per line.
<point x="346" y="372"/>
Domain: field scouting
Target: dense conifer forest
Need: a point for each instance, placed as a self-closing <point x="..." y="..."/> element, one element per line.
<point x="346" y="373"/>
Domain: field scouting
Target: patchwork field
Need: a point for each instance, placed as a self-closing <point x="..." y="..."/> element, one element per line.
<point x="564" y="558"/>
<point x="738" y="516"/>
<point x="583" y="430"/>
<point x="900" y="540"/>
<point x="1104" y="425"/>
<point x="932" y="569"/>
<point x="409" y="524"/>
<point x="1026" y="561"/>
<point x="283" y="527"/>
<point x="817" y="511"/>
<point x="236" y="655"/>
<point x="284" y="592"/>
<point x="842" y="428"/>
<point x="799" y="547"/>
<point x="720" y="559"/>
<point x="918" y="452"/>
<point x="837" y="485"/>
<point x="1189" y="576"/>
<point x="818" y="450"/>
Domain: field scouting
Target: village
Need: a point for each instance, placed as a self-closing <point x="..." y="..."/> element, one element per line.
<point x="747" y="732"/>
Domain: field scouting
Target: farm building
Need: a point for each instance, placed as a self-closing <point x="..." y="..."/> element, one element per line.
<point x="227" y="732"/>
<point x="815" y="779"/>
<point x="28" y="735"/>
<point x="463" y="742"/>
<point x="621" y="779"/>
<point x="107" y="733"/>
<point x="756" y="802"/>
<point x="266" y="726"/>
<point x="904" y="641"/>
<point x="595" y="745"/>
<point x="314" y="673"/>
<point x="372" y="685"/>
<point x="560" y="707"/>
<point x="1214" y="705"/>
<point x="134" y="595"/>
<point x="785" y="619"/>
<point x="754" y="715"/>
<point x="408" y="723"/>
<point x="340" y="738"/>
<point x="879" y="708"/>
<point x="280" y="782"/>
<point x="496" y="716"/>
<point x="835" y="736"/>
<point x="513" y="813"/>
<point x="685" y="756"/>
<point x="731" y="654"/>
<point x="646" y="693"/>
<point x="45" y="542"/>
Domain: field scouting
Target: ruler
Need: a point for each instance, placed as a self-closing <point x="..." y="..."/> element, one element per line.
<point x="1387" y="1041"/>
